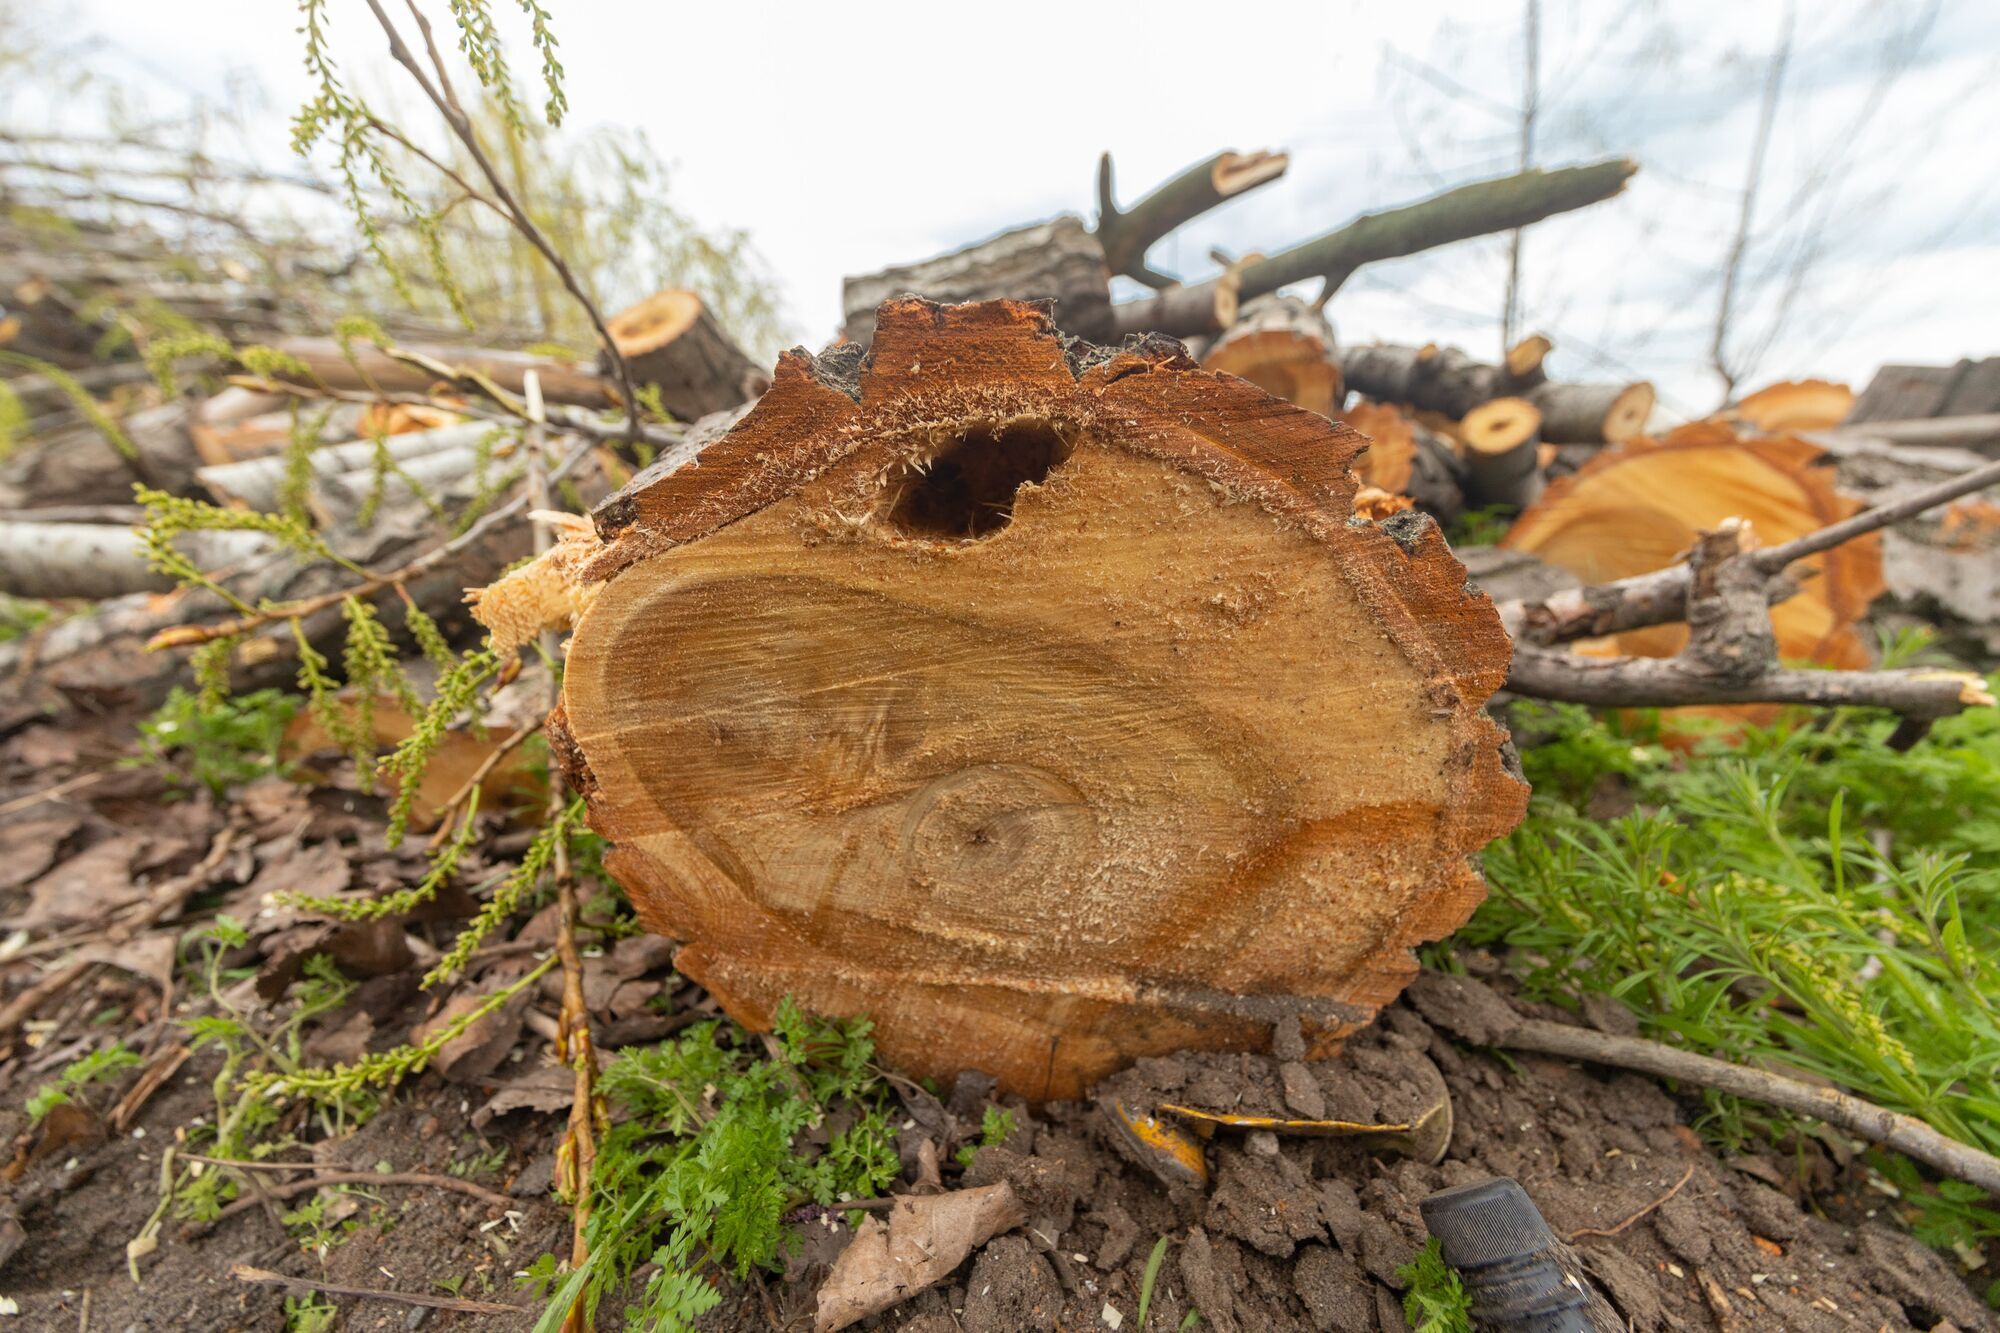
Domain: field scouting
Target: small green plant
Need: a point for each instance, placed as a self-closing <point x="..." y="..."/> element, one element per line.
<point x="1150" y="1278"/>
<point x="100" y="1066"/>
<point x="217" y="743"/>
<point x="994" y="1127"/>
<point x="698" y="1175"/>
<point x="1435" y="1300"/>
<point x="20" y="617"/>
<point x="310" y="1313"/>
<point x="1481" y="527"/>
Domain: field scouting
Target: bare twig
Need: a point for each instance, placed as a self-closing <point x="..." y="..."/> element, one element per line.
<point x="422" y="1179"/>
<point x="479" y="775"/>
<point x="188" y="636"/>
<point x="446" y="101"/>
<point x="577" y="1155"/>
<point x="23" y="1006"/>
<point x="1127" y="234"/>
<point x="1580" y="1232"/>
<point x="1660" y="597"/>
<point x="265" y="1278"/>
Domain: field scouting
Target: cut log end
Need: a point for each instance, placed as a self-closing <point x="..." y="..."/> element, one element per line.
<point x="1524" y="359"/>
<point x="1500" y="426"/>
<point x="953" y="703"/>
<point x="1235" y="173"/>
<point x="1795" y="405"/>
<point x="1284" y="347"/>
<point x="1629" y="412"/>
<point x="654" y="322"/>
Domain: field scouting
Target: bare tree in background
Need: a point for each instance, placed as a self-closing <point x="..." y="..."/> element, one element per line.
<point x="1746" y="215"/>
<point x="1531" y="55"/>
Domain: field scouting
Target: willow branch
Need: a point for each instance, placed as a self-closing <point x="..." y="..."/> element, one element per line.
<point x="448" y="106"/>
<point x="1127" y="234"/>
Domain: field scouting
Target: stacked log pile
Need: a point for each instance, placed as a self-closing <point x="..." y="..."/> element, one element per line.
<point x="1005" y="669"/>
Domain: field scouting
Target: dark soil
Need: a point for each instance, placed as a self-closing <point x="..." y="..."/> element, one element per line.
<point x="1288" y="1233"/>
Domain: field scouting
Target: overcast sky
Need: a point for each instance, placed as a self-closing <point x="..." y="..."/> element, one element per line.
<point x="845" y="138"/>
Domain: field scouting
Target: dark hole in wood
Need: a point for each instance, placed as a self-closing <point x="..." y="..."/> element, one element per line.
<point x="967" y="489"/>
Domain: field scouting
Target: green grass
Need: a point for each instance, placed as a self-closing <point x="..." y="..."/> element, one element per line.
<point x="1804" y="896"/>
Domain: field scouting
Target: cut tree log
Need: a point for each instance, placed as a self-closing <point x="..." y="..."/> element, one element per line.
<point x="1445" y="380"/>
<point x="1639" y="506"/>
<point x="1479" y="209"/>
<point x="1046" y="703"/>
<point x="1499" y="441"/>
<point x="1284" y="347"/>
<point x="1907" y="393"/>
<point x="1405" y="458"/>
<point x="371" y="369"/>
<point x="1593" y="413"/>
<point x="40" y="559"/>
<point x="671" y="340"/>
<point x="80" y="465"/>
<point x="255" y="483"/>
<point x="1793" y="405"/>
<point x="1058" y="260"/>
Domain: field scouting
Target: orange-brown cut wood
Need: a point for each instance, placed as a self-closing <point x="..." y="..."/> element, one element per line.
<point x="1047" y="704"/>
<point x="1638" y="506"/>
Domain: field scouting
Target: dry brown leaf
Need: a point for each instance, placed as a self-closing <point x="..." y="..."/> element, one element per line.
<point x="476" y="1052"/>
<point x="88" y="887"/>
<point x="926" y="1238"/>
<point x="543" y="1088"/>
<point x="29" y="846"/>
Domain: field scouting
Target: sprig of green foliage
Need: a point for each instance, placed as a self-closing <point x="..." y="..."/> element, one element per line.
<point x="99" y="1066"/>
<point x="994" y="1127"/>
<point x="216" y="743"/>
<point x="80" y="398"/>
<point x="1434" y="1300"/>
<point x="709" y="1155"/>
<point x="536" y="863"/>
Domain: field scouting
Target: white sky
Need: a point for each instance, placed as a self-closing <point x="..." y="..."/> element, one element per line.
<point x="845" y="138"/>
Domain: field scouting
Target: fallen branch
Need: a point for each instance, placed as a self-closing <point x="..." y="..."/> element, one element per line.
<point x="1473" y="1012"/>
<point x="265" y="1278"/>
<point x="1660" y="597"/>
<point x="1470" y="210"/>
<point x="1126" y="235"/>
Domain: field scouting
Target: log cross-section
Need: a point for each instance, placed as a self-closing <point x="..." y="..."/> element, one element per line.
<point x="1048" y="704"/>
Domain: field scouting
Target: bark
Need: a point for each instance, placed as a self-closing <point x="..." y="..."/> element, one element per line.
<point x="372" y="370"/>
<point x="672" y="341"/>
<point x="895" y="646"/>
<point x="79" y="465"/>
<point x="1470" y="210"/>
<point x="1406" y="458"/>
<point x="1058" y="260"/>
<point x="1501" y="440"/>
<point x="1284" y="347"/>
<point x="1126" y="235"/>
<point x="1909" y="393"/>
<point x="1593" y="413"/>
<point x="42" y="559"/>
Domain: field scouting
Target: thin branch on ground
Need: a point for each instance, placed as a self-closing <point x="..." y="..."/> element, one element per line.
<point x="265" y="1278"/>
<point x="1629" y="1222"/>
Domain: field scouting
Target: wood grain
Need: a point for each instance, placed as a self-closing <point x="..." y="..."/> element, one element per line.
<point x="1046" y="704"/>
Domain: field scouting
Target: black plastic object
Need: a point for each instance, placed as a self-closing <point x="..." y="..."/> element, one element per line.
<point x="1510" y="1262"/>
